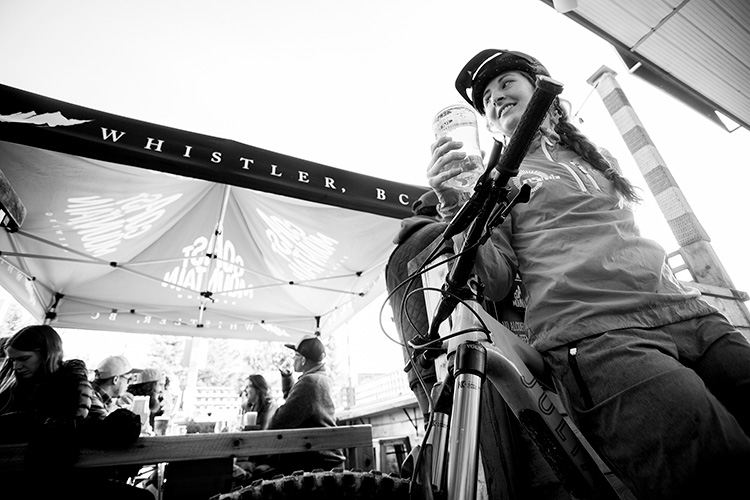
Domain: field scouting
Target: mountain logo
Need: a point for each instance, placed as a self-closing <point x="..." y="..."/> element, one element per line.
<point x="56" y="119"/>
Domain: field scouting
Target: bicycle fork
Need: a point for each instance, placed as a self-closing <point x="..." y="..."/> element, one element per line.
<point x="463" y="441"/>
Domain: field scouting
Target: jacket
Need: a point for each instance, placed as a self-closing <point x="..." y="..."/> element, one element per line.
<point x="415" y="235"/>
<point x="581" y="257"/>
<point x="308" y="404"/>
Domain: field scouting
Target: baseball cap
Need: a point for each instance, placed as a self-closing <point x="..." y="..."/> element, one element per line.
<point x="426" y="204"/>
<point x="112" y="366"/>
<point x="148" y="375"/>
<point x="310" y="347"/>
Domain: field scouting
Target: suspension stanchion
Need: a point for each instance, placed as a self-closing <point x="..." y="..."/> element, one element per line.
<point x="470" y="361"/>
<point x="442" y="395"/>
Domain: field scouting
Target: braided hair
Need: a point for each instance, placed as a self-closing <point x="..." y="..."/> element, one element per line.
<point x="575" y="140"/>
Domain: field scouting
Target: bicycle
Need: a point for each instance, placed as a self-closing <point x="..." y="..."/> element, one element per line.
<point x="475" y="347"/>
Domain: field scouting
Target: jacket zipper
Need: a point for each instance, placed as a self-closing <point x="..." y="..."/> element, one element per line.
<point x="572" y="172"/>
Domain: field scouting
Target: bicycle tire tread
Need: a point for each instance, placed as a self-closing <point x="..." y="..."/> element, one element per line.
<point x="337" y="484"/>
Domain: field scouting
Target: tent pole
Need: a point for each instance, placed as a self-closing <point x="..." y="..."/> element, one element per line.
<point x="195" y="355"/>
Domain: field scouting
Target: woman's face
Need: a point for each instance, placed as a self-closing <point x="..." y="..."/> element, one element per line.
<point x="250" y="391"/>
<point x="505" y="99"/>
<point x="26" y="364"/>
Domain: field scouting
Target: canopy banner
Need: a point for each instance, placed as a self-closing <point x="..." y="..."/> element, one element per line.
<point x="34" y="120"/>
<point x="133" y="227"/>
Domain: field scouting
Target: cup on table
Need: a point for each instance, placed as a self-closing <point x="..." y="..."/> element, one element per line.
<point x="459" y="121"/>
<point x="140" y="408"/>
<point x="250" y="419"/>
<point x="161" y="424"/>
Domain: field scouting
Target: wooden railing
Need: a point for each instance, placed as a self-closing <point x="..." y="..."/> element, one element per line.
<point x="217" y="450"/>
<point x="156" y="449"/>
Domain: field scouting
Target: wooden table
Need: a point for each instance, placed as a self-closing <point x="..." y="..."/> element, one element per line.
<point x="218" y="450"/>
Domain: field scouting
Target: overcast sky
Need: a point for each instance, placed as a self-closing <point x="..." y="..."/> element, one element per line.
<point x="354" y="84"/>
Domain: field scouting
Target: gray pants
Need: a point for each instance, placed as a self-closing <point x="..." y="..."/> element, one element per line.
<point x="668" y="408"/>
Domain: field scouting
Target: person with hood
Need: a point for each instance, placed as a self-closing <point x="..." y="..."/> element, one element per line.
<point x="416" y="234"/>
<point x="655" y="378"/>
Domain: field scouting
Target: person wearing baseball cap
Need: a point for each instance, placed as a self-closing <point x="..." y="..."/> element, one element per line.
<point x="150" y="382"/>
<point x="111" y="379"/>
<point x="308" y="403"/>
<point x="311" y="348"/>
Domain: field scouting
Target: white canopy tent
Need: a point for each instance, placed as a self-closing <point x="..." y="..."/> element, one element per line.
<point x="130" y="226"/>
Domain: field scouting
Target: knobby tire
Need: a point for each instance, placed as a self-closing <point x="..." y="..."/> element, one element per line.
<point x="337" y="484"/>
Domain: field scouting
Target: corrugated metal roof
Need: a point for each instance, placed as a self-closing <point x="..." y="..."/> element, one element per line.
<point x="697" y="50"/>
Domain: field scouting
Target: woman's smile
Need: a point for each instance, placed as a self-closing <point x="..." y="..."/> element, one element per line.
<point x="505" y="99"/>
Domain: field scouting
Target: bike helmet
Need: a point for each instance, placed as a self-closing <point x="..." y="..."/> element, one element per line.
<point x="487" y="65"/>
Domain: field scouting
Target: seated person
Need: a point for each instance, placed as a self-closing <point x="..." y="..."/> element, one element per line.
<point x="308" y="404"/>
<point x="111" y="379"/>
<point x="110" y="384"/>
<point x="149" y="382"/>
<point x="256" y="398"/>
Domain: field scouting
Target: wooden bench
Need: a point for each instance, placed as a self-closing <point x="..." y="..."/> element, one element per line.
<point x="205" y="460"/>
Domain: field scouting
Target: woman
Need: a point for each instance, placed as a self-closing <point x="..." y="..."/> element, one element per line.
<point x="259" y="400"/>
<point x="45" y="401"/>
<point x="656" y="379"/>
<point x="38" y="388"/>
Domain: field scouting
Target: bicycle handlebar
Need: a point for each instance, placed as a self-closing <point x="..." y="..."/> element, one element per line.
<point x="544" y="94"/>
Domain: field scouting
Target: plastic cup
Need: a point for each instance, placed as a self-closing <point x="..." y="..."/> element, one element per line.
<point x="140" y="408"/>
<point x="250" y="418"/>
<point x="160" y="425"/>
<point x="459" y="121"/>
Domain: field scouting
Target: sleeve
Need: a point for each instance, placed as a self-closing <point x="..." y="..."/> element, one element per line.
<point x="496" y="262"/>
<point x="287" y="382"/>
<point x="74" y="378"/>
<point x="97" y="411"/>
